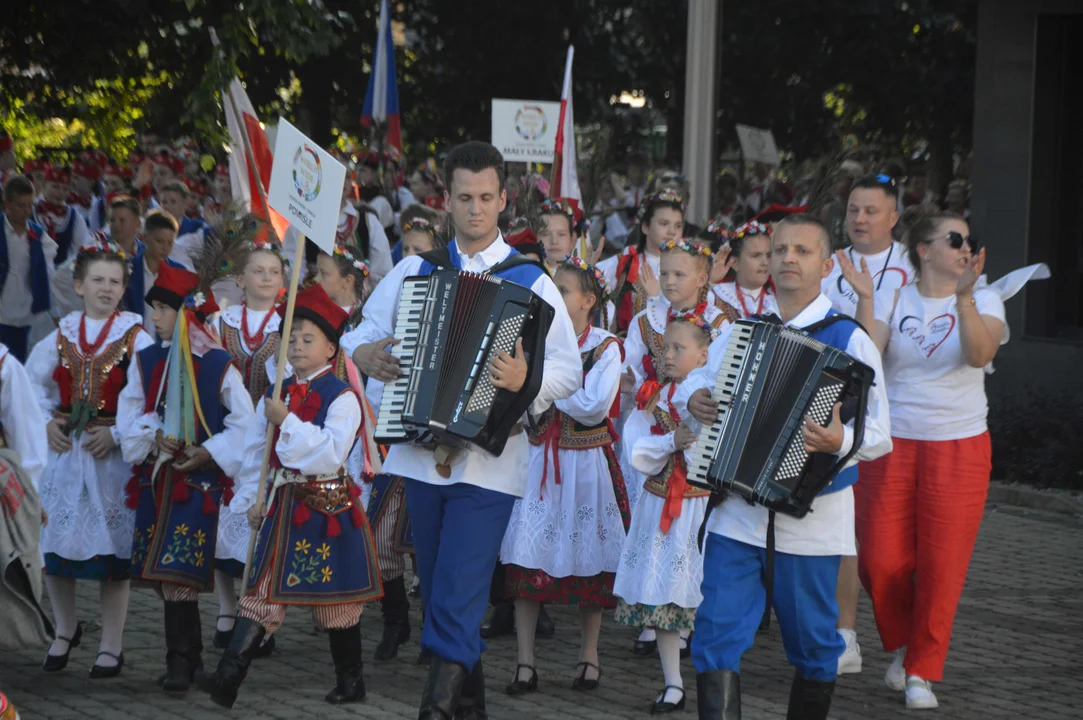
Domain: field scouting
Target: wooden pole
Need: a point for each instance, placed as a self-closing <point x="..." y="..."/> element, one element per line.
<point x="280" y="374"/>
<point x="253" y="168"/>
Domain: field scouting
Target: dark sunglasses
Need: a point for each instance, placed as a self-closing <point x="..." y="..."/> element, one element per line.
<point x="956" y="240"/>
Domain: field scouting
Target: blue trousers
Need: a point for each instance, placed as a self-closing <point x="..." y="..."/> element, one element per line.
<point x="17" y="338"/>
<point x="734" y="598"/>
<point x="457" y="534"/>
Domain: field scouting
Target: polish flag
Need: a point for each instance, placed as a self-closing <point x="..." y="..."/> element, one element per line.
<point x="243" y="173"/>
<point x="565" y="180"/>
<point x="382" y="95"/>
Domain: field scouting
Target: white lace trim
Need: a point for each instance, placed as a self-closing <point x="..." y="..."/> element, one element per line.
<point x="231" y="316"/>
<point x="69" y="327"/>
<point x="595" y="338"/>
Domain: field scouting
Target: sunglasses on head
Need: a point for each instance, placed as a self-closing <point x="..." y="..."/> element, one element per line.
<point x="885" y="180"/>
<point x="956" y="240"/>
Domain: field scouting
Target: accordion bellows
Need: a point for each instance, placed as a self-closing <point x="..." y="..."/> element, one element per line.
<point x="772" y="378"/>
<point x="451" y="325"/>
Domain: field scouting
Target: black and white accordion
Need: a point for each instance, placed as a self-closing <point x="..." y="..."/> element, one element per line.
<point x="772" y="378"/>
<point x="450" y="325"/>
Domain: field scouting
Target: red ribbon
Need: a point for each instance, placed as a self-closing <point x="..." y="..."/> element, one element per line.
<point x="551" y="443"/>
<point x="646" y="393"/>
<point x="678" y="479"/>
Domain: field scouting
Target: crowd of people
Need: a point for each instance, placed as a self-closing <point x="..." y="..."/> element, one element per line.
<point x="136" y="378"/>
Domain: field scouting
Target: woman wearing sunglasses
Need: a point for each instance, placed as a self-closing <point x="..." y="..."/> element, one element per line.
<point x="918" y="509"/>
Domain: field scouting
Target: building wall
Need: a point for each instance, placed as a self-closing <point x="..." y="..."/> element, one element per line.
<point x="1003" y="206"/>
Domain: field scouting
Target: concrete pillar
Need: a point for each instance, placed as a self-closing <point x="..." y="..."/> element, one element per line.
<point x="700" y="106"/>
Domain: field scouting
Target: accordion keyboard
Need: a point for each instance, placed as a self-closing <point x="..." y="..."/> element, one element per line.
<point x="725" y="386"/>
<point x="414" y="304"/>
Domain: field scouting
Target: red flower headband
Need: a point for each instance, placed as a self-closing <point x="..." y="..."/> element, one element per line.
<point x="106" y="247"/>
<point x="751" y="228"/>
<point x="692" y="316"/>
<point x="568" y="207"/>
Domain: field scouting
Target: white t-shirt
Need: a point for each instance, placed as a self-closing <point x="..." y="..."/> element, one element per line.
<point x="890" y="268"/>
<point x="932" y="392"/>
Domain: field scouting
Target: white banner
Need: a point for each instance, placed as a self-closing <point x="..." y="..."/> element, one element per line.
<point x="306" y="186"/>
<point x="758" y="145"/>
<point x="525" y="130"/>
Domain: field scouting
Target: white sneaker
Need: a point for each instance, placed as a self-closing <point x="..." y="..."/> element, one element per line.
<point x="895" y="678"/>
<point x="919" y="694"/>
<point x="850" y="660"/>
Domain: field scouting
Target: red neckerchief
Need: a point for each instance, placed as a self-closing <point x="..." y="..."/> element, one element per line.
<point x="49" y="208"/>
<point x="678" y="480"/>
<point x="82" y="200"/>
<point x="255" y="341"/>
<point x="89" y="350"/>
<point x="299" y="402"/>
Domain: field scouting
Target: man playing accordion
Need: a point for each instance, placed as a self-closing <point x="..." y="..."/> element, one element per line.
<point x="808" y="549"/>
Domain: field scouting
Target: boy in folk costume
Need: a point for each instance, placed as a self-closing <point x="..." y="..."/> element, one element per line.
<point x="250" y="332"/>
<point x="661" y="566"/>
<point x="27" y="256"/>
<point x="174" y="197"/>
<point x="315" y="548"/>
<point x="79" y="371"/>
<point x="185" y="409"/>
<point x="66" y="226"/>
<point x="35" y="170"/>
<point x="564" y="538"/>
<point x="84" y="178"/>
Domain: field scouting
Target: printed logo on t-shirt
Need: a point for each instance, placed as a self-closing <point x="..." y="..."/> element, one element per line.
<point x="932" y="336"/>
<point x="851" y="297"/>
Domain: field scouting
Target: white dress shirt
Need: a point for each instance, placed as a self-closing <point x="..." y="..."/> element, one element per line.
<point x="16" y="299"/>
<point x="562" y="376"/>
<point x="828" y="529"/>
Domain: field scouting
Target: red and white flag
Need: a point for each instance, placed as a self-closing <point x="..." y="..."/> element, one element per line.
<point x="565" y="180"/>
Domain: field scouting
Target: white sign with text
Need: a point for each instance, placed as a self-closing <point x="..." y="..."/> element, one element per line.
<point x="306" y="186"/>
<point x="758" y="145"/>
<point x="525" y="130"/>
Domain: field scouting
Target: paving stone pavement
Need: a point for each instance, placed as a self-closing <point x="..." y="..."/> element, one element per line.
<point x="1016" y="653"/>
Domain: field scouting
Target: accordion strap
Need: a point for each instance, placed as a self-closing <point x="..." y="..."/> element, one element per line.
<point x="441" y="258"/>
<point x="769" y="572"/>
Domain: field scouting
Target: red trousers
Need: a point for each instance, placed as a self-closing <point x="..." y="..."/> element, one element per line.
<point x="918" y="510"/>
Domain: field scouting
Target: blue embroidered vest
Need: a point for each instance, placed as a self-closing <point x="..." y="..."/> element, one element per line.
<point x="838" y="336"/>
<point x="136" y="293"/>
<point x="39" y="274"/>
<point x="327" y="386"/>
<point x="210" y="372"/>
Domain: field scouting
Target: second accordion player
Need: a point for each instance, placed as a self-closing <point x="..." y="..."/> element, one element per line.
<point x="772" y="378"/>
<point x="450" y="326"/>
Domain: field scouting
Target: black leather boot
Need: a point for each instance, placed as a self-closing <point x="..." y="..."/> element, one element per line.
<point x="442" y="690"/>
<point x="396" y="610"/>
<point x="346" y="652"/>
<point x="184" y="646"/>
<point x="809" y="699"/>
<point x="472" y="699"/>
<point x="222" y="685"/>
<point x="719" y="693"/>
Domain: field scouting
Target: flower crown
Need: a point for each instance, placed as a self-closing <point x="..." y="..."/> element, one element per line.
<point x="667" y="195"/>
<point x="753" y="227"/>
<point x="581" y="264"/>
<point x="717" y="226"/>
<point x="688" y="245"/>
<point x="693" y="317"/>
<point x="357" y="263"/>
<point x="563" y="207"/>
<point x="106" y="247"/>
<point x="252" y="246"/>
<point x="420" y="224"/>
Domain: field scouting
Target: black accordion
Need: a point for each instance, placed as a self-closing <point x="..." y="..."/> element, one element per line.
<point x="450" y="325"/>
<point x="772" y="378"/>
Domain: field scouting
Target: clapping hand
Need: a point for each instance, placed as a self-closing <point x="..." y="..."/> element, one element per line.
<point x="970" y="276"/>
<point x="722" y="263"/>
<point x="649" y="281"/>
<point x="860" y="280"/>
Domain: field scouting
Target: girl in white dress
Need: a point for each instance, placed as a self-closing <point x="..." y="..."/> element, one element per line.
<point x="661" y="567"/>
<point x="78" y="371"/>
<point x="564" y="538"/>
<point x="251" y="333"/>
<point x="746" y="290"/>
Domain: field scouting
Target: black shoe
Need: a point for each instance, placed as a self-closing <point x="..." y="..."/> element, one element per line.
<point x="719" y="695"/>
<point x="222" y="637"/>
<point x="522" y="687"/>
<point x="581" y="682"/>
<point x="660" y="706"/>
<point x="442" y="690"/>
<point x="501" y="621"/>
<point x="222" y="685"/>
<point x="809" y="699"/>
<point x="265" y="648"/>
<point x="545" y="628"/>
<point x="346" y="653"/>
<point x="396" y="610"/>
<point x="686" y="651"/>
<point x="645" y="647"/>
<point x="424" y="658"/>
<point x="56" y="663"/>
<point x="184" y="646"/>
<point x="100" y="672"/>
<point x="415" y="591"/>
<point x="472" y="699"/>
